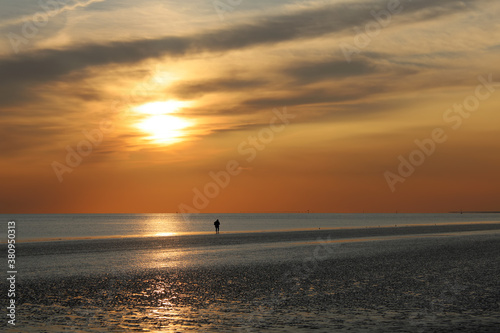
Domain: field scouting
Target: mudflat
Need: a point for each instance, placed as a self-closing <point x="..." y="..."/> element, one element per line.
<point x="437" y="283"/>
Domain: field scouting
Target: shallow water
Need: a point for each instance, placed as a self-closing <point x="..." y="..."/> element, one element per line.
<point x="67" y="226"/>
<point x="98" y="256"/>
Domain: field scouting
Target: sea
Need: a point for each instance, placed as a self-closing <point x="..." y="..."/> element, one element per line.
<point x="54" y="227"/>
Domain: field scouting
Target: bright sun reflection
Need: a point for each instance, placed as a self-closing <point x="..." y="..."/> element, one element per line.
<point x="162" y="127"/>
<point x="164" y="234"/>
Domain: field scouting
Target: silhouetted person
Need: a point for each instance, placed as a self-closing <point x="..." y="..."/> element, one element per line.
<point x="217" y="224"/>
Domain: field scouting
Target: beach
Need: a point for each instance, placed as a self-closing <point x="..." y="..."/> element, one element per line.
<point x="408" y="279"/>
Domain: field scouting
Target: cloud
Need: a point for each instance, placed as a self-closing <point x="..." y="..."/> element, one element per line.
<point x="331" y="69"/>
<point x="311" y="96"/>
<point x="25" y="139"/>
<point x="50" y="9"/>
<point x="25" y="70"/>
<point x="494" y="47"/>
<point x="191" y="89"/>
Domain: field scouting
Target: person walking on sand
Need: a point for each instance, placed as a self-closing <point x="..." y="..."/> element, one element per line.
<point x="217" y="224"/>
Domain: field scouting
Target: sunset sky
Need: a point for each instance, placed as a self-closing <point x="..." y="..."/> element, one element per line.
<point x="249" y="106"/>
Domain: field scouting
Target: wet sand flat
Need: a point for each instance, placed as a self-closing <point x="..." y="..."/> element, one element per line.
<point x="436" y="284"/>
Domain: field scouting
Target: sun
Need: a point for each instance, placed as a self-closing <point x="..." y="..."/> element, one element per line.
<point x="161" y="107"/>
<point x="160" y="125"/>
<point x="164" y="128"/>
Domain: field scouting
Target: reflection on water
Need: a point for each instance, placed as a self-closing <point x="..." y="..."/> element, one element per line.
<point x="146" y="302"/>
<point x="97" y="261"/>
<point x="160" y="225"/>
<point x="163" y="234"/>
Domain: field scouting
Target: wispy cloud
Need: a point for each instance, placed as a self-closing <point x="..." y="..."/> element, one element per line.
<point x="328" y="70"/>
<point x="192" y="89"/>
<point x="24" y="70"/>
<point x="48" y="9"/>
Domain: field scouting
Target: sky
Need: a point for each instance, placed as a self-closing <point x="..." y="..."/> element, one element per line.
<point x="249" y="106"/>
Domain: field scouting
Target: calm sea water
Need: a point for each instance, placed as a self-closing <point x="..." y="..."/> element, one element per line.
<point x="67" y="226"/>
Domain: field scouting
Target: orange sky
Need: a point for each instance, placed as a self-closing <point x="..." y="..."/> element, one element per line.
<point x="326" y="106"/>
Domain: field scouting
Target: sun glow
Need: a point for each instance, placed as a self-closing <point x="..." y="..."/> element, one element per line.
<point x="162" y="127"/>
<point x="161" y="107"/>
